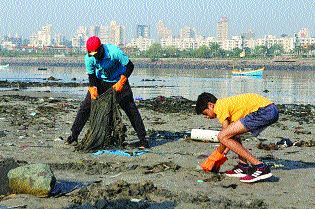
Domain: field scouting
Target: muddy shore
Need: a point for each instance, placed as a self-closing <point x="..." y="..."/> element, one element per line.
<point x="33" y="124"/>
<point x="181" y="63"/>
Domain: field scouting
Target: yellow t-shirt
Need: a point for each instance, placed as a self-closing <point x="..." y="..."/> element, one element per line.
<point x="236" y="107"/>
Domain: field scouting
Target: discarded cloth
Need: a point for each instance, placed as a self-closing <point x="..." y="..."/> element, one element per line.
<point x="125" y="153"/>
<point x="63" y="187"/>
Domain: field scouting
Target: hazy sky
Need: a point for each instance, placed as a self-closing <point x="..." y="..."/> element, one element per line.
<point x="262" y="16"/>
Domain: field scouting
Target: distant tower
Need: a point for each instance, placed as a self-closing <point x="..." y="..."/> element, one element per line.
<point x="163" y="31"/>
<point x="116" y="33"/>
<point x="94" y="31"/>
<point x="222" y="29"/>
<point x="59" y="40"/>
<point x="45" y="36"/>
<point x="113" y="33"/>
<point x="143" y="31"/>
<point x="187" y="32"/>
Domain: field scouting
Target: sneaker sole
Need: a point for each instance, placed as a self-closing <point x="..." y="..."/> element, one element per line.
<point x="239" y="175"/>
<point x="266" y="176"/>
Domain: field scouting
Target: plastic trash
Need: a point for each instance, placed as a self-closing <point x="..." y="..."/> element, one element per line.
<point x="139" y="98"/>
<point x="285" y="142"/>
<point x="204" y="135"/>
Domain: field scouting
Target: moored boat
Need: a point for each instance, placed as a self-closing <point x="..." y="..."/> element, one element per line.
<point x="4" y="66"/>
<point x="248" y="72"/>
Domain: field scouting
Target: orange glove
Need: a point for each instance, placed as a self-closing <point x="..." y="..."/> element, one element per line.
<point x="120" y="84"/>
<point x="209" y="163"/>
<point x="93" y="92"/>
<point x="218" y="164"/>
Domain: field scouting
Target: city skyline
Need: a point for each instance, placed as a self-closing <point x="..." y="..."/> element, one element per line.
<point x="284" y="17"/>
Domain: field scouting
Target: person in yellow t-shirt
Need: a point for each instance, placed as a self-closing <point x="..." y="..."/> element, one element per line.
<point x="238" y="114"/>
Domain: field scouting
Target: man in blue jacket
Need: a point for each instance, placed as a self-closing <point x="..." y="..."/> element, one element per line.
<point x="108" y="67"/>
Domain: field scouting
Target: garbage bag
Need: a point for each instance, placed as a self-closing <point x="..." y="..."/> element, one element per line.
<point x="107" y="129"/>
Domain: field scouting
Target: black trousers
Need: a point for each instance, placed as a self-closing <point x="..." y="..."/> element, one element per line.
<point x="126" y="102"/>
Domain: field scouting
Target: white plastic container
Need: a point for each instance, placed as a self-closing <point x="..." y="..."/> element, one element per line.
<point x="204" y="135"/>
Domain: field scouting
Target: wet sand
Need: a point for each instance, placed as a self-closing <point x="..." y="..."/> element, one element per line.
<point x="31" y="124"/>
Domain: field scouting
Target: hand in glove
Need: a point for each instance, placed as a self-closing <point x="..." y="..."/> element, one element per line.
<point x="218" y="164"/>
<point x="120" y="84"/>
<point x="93" y="92"/>
<point x="209" y="163"/>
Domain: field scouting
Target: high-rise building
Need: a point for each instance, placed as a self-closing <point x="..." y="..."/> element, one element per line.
<point x="222" y="30"/>
<point x="79" y="39"/>
<point x="116" y="34"/>
<point x="94" y="31"/>
<point x="103" y="34"/>
<point x="163" y="31"/>
<point x="143" y="31"/>
<point x="59" y="40"/>
<point x="187" y="32"/>
<point x="42" y="38"/>
<point x="112" y="33"/>
<point x="16" y="40"/>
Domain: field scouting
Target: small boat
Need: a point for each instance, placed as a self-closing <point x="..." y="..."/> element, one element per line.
<point x="248" y="72"/>
<point x="42" y="68"/>
<point x="4" y="66"/>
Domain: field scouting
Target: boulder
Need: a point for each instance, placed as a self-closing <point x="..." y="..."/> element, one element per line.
<point x="6" y="164"/>
<point x="34" y="179"/>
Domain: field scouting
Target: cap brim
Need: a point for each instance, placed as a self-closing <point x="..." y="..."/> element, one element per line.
<point x="92" y="53"/>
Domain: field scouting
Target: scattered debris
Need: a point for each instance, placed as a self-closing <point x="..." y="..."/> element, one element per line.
<point x="271" y="146"/>
<point x="214" y="177"/>
<point x="285" y="142"/>
<point x="161" y="167"/>
<point x="233" y="186"/>
<point x="302" y="143"/>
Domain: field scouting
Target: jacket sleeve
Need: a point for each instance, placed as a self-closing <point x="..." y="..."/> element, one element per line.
<point x="89" y="64"/>
<point x="129" y="69"/>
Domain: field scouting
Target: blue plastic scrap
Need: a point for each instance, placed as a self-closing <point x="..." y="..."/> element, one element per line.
<point x="124" y="153"/>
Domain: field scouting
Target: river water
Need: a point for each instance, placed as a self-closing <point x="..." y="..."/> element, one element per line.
<point x="284" y="87"/>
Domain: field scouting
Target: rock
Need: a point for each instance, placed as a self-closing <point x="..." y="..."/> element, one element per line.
<point x="2" y="134"/>
<point x="34" y="179"/>
<point x="51" y="78"/>
<point x="6" y="165"/>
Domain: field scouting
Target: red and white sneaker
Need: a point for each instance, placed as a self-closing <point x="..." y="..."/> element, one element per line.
<point x="257" y="174"/>
<point x="238" y="171"/>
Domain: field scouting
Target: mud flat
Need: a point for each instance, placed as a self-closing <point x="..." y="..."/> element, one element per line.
<point x="32" y="125"/>
<point x="181" y="63"/>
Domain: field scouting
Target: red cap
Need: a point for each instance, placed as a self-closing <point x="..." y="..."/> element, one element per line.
<point x="92" y="44"/>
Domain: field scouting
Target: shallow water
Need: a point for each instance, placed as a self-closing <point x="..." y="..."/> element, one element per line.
<point x="280" y="86"/>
